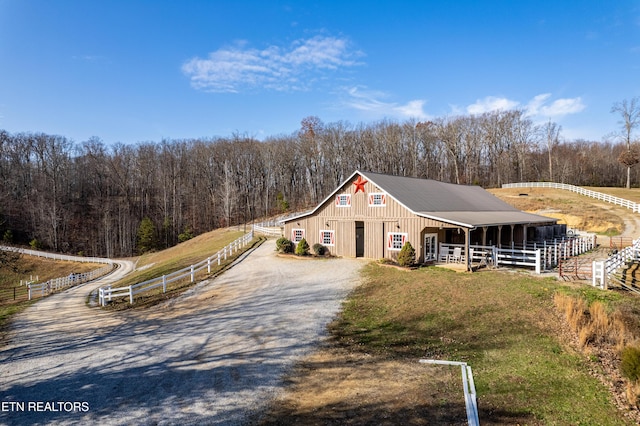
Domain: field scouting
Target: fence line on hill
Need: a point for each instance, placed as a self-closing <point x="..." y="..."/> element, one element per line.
<point x="268" y="230"/>
<point x="55" y="284"/>
<point x="107" y="294"/>
<point x="56" y="256"/>
<point x="32" y="289"/>
<point x="635" y="207"/>
<point x="601" y="271"/>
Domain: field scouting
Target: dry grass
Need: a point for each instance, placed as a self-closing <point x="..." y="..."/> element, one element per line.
<point x="157" y="264"/>
<point x="604" y="333"/>
<point x="574" y="210"/>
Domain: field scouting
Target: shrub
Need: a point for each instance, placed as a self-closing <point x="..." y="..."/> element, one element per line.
<point x="302" y="249"/>
<point x="186" y="235"/>
<point x="407" y="255"/>
<point x="284" y="245"/>
<point x="35" y="244"/>
<point x="630" y="363"/>
<point x="319" y="249"/>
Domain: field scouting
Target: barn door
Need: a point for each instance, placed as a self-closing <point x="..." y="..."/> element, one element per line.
<point x="430" y="247"/>
<point x="359" y="239"/>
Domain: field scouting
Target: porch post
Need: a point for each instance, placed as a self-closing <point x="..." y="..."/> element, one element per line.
<point x="484" y="235"/>
<point x="467" y="235"/>
<point x="499" y="242"/>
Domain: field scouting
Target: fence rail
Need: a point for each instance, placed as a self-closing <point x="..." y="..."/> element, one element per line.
<point x="32" y="289"/>
<point x="270" y="230"/>
<point x="107" y="294"/>
<point x="541" y="256"/>
<point x="603" y="270"/>
<point x="635" y="207"/>
<point x="55" y="284"/>
<point x="56" y="256"/>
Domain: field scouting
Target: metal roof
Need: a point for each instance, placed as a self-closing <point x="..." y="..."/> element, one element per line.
<point x="463" y="205"/>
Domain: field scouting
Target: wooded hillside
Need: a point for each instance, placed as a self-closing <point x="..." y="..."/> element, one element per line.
<point x="93" y="197"/>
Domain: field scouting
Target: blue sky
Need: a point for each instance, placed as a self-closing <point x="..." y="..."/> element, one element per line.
<point x="132" y="71"/>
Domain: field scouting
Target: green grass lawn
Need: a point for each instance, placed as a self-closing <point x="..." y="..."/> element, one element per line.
<point x="503" y="324"/>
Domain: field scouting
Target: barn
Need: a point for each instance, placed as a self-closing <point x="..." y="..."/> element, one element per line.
<point x="372" y="215"/>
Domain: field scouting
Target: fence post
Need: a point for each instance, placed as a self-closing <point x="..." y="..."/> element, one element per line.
<point x="29" y="285"/>
<point x="131" y="295"/>
<point x="208" y="265"/>
<point x="218" y="258"/>
<point x="164" y="283"/>
<point x="538" y="261"/>
<point x="193" y="274"/>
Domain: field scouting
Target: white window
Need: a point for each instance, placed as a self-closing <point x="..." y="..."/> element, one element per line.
<point x="297" y="235"/>
<point x="328" y="238"/>
<point x="343" y="200"/>
<point x="377" y="199"/>
<point x="396" y="240"/>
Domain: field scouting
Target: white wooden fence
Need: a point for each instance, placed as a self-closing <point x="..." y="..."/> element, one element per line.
<point x="577" y="189"/>
<point x="270" y="230"/>
<point x="57" y="256"/>
<point x="604" y="269"/>
<point x="107" y="294"/>
<point x="539" y="255"/>
<point x="601" y="270"/>
<point x="56" y="284"/>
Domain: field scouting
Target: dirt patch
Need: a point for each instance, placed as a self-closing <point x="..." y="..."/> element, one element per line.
<point x="335" y="386"/>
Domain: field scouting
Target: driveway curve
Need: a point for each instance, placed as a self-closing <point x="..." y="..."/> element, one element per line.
<point x="216" y="355"/>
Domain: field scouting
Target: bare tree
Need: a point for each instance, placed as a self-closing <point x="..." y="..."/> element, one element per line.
<point x="629" y="111"/>
<point x="552" y="136"/>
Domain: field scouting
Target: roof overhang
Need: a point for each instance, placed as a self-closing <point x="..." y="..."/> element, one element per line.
<point x="474" y="219"/>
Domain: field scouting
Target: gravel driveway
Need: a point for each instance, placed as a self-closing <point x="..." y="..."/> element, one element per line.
<point x="212" y="356"/>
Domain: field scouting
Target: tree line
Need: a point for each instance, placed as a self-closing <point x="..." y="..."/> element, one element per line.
<point x="119" y="200"/>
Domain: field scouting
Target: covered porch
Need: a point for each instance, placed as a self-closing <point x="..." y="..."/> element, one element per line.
<point x="540" y="246"/>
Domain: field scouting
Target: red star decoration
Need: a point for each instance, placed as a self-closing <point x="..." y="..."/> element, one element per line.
<point x="360" y="184"/>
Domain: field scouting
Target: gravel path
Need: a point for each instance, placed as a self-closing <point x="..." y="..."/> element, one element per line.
<point x="213" y="356"/>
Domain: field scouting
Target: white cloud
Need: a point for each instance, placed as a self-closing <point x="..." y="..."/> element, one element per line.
<point x="274" y="68"/>
<point x="413" y="109"/>
<point x="538" y="106"/>
<point x="371" y="103"/>
<point x="561" y="107"/>
<point x="491" y="103"/>
<point x="534" y="105"/>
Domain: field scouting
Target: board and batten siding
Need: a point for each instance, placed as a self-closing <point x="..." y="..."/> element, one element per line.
<point x="378" y="222"/>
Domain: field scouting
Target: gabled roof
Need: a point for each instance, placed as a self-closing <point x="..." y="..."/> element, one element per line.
<point x="463" y="205"/>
